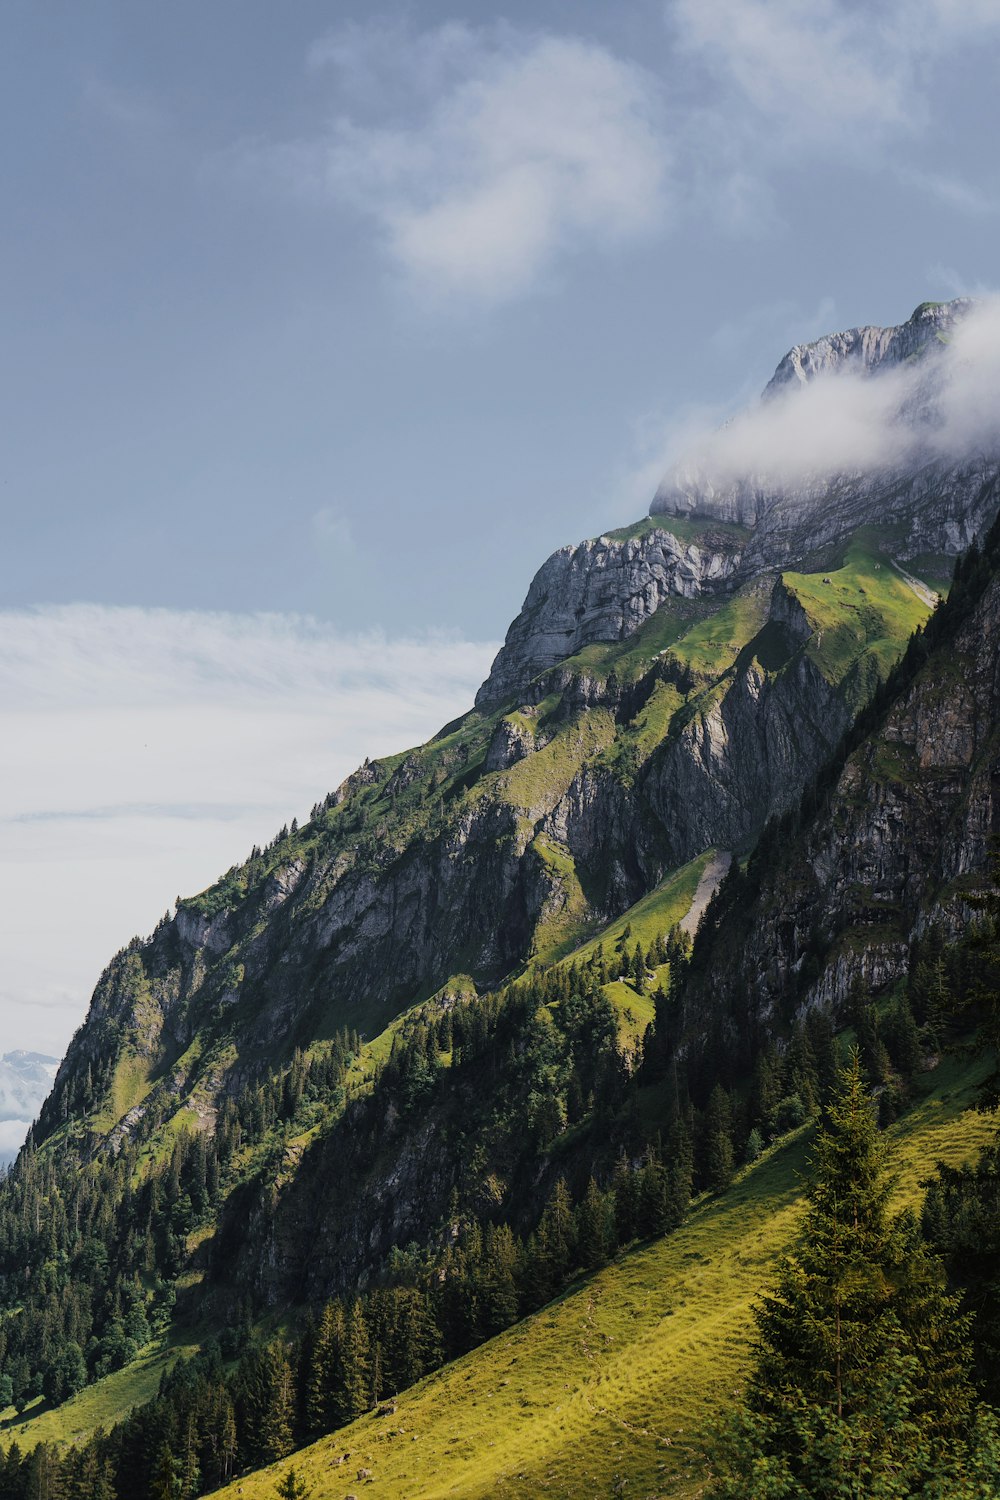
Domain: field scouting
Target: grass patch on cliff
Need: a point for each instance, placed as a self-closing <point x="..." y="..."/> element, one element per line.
<point x="618" y="1378"/>
<point x="702" y="530"/>
<point x="711" y="646"/>
<point x="665" y="905"/>
<point x="130" y="1084"/>
<point x="564" y="913"/>
<point x="634" y="1011"/>
<point x="862" y="614"/>
<point x="536" y="783"/>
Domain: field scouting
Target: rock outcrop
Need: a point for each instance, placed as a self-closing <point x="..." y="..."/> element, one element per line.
<point x="901" y="842"/>
<point x="700" y="707"/>
<point x="603" y="590"/>
<point x="938" y="488"/>
<point x="936" y="500"/>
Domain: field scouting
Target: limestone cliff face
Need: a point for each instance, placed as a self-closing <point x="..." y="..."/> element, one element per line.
<point x="870" y="349"/>
<point x="936" y="500"/>
<point x="938" y="496"/>
<point x="603" y="590"/>
<point x="575" y="785"/>
<point x="902" y="841"/>
<point x="663" y="691"/>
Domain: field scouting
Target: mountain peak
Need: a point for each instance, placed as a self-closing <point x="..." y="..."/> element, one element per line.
<point x="869" y="348"/>
<point x="895" y="426"/>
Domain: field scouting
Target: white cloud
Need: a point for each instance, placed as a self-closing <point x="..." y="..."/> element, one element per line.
<point x="845" y="421"/>
<point x="826" y="70"/>
<point x="334" y="532"/>
<point x="145" y="751"/>
<point x="817" y="68"/>
<point x="516" y="148"/>
<point x="484" y="157"/>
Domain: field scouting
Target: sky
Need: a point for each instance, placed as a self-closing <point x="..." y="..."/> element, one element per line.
<point x="323" y="324"/>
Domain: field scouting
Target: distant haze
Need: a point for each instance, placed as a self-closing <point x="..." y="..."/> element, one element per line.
<point x="25" y="1080"/>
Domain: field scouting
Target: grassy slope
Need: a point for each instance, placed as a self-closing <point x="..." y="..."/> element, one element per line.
<point x="99" y="1405"/>
<point x="619" y="1376"/>
<point x="863" y="607"/>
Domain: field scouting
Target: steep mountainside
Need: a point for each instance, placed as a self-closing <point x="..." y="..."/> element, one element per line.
<point x="664" y="690"/>
<point x="426" y="1007"/>
<point x="899" y="841"/>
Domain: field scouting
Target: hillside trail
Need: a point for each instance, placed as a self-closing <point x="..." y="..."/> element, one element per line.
<point x="711" y="879"/>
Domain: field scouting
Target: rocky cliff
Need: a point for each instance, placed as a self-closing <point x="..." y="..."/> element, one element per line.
<point x="664" y="690"/>
<point x="898" y="842"/>
<point x="604" y="590"/>
<point x="873" y="423"/>
<point x="907" y="462"/>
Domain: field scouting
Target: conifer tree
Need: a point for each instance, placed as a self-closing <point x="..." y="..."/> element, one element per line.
<point x="164" y="1483"/>
<point x="718" y="1141"/>
<point x="651" y="1207"/>
<point x="623" y="1186"/>
<point x="291" y="1487"/>
<point x="278" y="1415"/>
<point x="498" y="1286"/>
<point x="324" y="1369"/>
<point x="557" y="1235"/>
<point x="860" y="1378"/>
<point x="356" y="1363"/>
<point x="592" y="1228"/>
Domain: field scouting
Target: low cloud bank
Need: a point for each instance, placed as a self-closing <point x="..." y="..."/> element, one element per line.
<point x="145" y="751"/>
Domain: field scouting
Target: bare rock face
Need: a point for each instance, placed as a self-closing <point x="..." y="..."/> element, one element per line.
<point x="937" y="498"/>
<point x="906" y="830"/>
<point x="936" y="484"/>
<point x="602" y="590"/>
<point x="870" y="349"/>
<point x="571" y="790"/>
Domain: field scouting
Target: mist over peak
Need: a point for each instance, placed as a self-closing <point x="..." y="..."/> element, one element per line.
<point x="869" y="405"/>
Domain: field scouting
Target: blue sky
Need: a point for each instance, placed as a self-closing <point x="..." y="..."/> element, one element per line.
<point x="329" y="311"/>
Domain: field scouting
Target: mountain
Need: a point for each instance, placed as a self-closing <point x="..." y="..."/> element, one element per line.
<point x="893" y="424"/>
<point x="390" y="1057"/>
<point x="25" y="1080"/>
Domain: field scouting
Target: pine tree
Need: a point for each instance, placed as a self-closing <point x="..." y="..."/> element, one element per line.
<point x="592" y="1228"/>
<point x="278" y="1417"/>
<point x="292" y="1487"/>
<point x="356" y="1362"/>
<point x="164" y="1483"/>
<point x="624" y="1188"/>
<point x="324" y="1370"/>
<point x="860" y="1377"/>
<point x="718" y="1141"/>
<point x="638" y="969"/>
<point x="497" y="1278"/>
<point x="651" y="1206"/>
<point x="557" y="1236"/>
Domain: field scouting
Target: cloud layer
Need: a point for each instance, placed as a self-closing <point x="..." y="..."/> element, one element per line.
<point x="486" y="155"/>
<point x="944" y="405"/>
<point x="517" y="147"/>
<point x="145" y="751"/>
